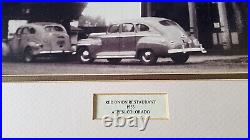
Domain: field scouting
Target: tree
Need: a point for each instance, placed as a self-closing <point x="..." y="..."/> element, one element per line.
<point x="89" y="21"/>
<point x="238" y="17"/>
<point x="60" y="12"/>
<point x="240" y="14"/>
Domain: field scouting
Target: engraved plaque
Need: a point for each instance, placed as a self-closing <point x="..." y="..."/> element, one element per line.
<point x="153" y="105"/>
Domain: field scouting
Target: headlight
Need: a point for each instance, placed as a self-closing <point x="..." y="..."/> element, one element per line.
<point x="73" y="47"/>
<point x="38" y="45"/>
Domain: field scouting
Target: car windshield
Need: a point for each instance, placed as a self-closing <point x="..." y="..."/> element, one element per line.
<point x="113" y="28"/>
<point x="54" y="29"/>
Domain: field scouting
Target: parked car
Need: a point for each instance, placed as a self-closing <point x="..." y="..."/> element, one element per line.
<point x="34" y="39"/>
<point x="146" y="39"/>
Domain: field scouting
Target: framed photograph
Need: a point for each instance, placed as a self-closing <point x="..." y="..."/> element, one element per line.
<point x="125" y="69"/>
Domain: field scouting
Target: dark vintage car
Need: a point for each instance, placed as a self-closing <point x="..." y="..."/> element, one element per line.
<point x="146" y="39"/>
<point x="34" y="39"/>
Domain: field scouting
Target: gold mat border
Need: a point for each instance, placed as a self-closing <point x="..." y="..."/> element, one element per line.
<point x="104" y="77"/>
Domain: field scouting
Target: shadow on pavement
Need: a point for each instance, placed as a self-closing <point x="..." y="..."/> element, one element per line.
<point x="124" y="62"/>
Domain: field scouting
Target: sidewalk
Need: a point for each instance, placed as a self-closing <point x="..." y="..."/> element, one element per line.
<point x="223" y="58"/>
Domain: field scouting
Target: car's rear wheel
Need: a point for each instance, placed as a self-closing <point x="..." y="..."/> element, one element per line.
<point x="148" y="57"/>
<point x="84" y="56"/>
<point x="28" y="55"/>
<point x="180" y="58"/>
<point x="114" y="60"/>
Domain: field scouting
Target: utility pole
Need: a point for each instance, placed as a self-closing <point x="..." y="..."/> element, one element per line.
<point x="224" y="26"/>
<point x="149" y="14"/>
<point x="193" y="19"/>
<point x="238" y="17"/>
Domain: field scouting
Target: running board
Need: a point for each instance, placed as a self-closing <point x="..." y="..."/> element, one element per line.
<point x="113" y="56"/>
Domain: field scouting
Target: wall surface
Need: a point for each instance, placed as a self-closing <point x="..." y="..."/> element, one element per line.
<point x="199" y="108"/>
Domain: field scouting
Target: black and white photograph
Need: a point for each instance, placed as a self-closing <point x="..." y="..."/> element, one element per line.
<point x="124" y="38"/>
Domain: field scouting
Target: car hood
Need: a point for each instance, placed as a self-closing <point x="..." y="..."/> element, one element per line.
<point x="94" y="35"/>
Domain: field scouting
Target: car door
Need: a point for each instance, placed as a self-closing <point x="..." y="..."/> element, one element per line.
<point x="23" y="43"/>
<point x="142" y="31"/>
<point x="127" y="40"/>
<point x="15" y="47"/>
<point x="110" y="42"/>
<point x="36" y="36"/>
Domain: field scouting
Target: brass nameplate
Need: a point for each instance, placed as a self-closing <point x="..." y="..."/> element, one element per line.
<point x="148" y="104"/>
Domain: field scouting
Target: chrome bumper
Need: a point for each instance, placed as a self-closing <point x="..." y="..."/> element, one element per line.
<point x="54" y="52"/>
<point x="185" y="50"/>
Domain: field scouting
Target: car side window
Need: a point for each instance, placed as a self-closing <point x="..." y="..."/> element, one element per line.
<point x="18" y="31"/>
<point x="142" y="27"/>
<point x="113" y="28"/>
<point x="25" y="30"/>
<point x="128" y="27"/>
<point x="32" y="30"/>
<point x="58" y="29"/>
<point x="49" y="29"/>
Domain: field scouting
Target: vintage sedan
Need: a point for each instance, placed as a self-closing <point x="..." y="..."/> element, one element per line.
<point x="39" y="38"/>
<point x="146" y="39"/>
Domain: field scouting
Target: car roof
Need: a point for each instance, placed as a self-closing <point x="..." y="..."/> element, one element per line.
<point x="42" y="24"/>
<point x="45" y="23"/>
<point x="141" y="20"/>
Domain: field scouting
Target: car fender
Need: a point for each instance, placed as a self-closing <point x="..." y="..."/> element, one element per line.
<point x="35" y="46"/>
<point x="5" y="49"/>
<point x="155" y="43"/>
<point x="91" y="43"/>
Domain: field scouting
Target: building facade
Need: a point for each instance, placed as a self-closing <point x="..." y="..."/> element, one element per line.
<point x="218" y="25"/>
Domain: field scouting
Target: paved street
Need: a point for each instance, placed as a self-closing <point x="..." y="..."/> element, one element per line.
<point x="195" y="64"/>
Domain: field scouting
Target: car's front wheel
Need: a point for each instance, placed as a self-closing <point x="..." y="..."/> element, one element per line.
<point x="180" y="58"/>
<point x="114" y="60"/>
<point x="28" y="55"/>
<point x="148" y="57"/>
<point x="84" y="56"/>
